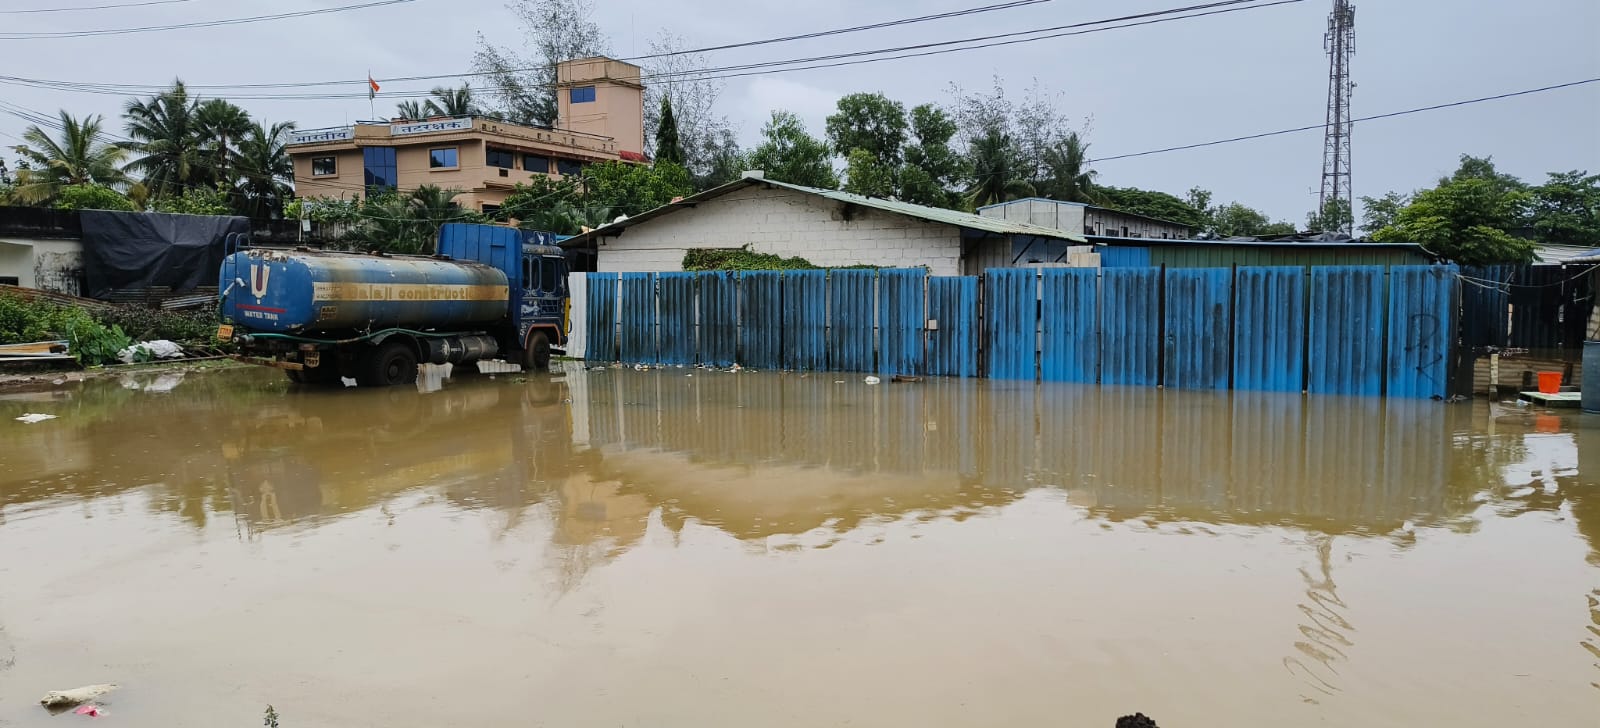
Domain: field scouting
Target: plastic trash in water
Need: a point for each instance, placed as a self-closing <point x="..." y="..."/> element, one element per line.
<point x="33" y="417"/>
<point x="872" y="380"/>
<point x="93" y="711"/>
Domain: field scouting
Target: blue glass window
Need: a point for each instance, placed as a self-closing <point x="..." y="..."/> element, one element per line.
<point x="380" y="168"/>
<point x="536" y="163"/>
<point x="581" y="94"/>
<point x="569" y="167"/>
<point x="442" y="157"/>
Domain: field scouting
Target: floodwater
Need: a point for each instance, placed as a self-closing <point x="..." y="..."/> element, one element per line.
<point x="699" y="548"/>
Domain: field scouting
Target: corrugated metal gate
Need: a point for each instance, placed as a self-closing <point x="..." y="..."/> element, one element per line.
<point x="1542" y="307"/>
<point x="1359" y="330"/>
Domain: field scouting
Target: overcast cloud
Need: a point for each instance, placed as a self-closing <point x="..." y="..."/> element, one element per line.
<point x="1145" y="88"/>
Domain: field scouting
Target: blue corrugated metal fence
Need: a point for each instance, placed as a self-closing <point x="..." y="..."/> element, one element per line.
<point x="1360" y="330"/>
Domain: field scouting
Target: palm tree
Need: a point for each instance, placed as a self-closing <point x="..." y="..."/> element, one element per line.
<point x="1067" y="163"/>
<point x="410" y="109"/>
<point x="408" y="223"/>
<point x="264" y="169"/>
<point x="76" y="157"/>
<point x="451" y="102"/>
<point x="220" y="125"/>
<point x="165" y="137"/>
<point x="996" y="170"/>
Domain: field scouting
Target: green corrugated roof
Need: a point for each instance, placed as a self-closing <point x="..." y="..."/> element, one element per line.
<point x="920" y="212"/>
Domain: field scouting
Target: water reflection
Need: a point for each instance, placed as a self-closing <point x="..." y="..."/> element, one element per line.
<point x="595" y="465"/>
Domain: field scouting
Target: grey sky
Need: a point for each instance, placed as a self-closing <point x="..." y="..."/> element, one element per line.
<point x="1141" y="88"/>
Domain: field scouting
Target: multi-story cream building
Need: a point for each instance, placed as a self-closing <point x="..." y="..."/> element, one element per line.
<point x="600" y="118"/>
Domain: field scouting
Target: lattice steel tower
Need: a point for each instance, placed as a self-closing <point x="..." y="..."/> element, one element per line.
<point x="1341" y="46"/>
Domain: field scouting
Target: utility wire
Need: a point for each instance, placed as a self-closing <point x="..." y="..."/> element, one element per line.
<point x="707" y="49"/>
<point x="749" y="69"/>
<point x="91" y="7"/>
<point x="58" y="34"/>
<point x="1391" y="114"/>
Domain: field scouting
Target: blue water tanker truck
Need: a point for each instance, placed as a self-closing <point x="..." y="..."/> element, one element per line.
<point x="321" y="316"/>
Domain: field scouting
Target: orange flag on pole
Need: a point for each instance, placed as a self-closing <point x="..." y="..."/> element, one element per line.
<point x="372" y="87"/>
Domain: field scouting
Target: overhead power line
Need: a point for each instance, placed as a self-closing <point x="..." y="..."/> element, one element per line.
<point x="707" y="49"/>
<point x="1374" y="117"/>
<point x="747" y="69"/>
<point x="57" y="34"/>
<point x="30" y="11"/>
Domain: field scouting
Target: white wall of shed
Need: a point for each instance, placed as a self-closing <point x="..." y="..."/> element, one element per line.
<point x="45" y="263"/>
<point x="1066" y="216"/>
<point x="787" y="223"/>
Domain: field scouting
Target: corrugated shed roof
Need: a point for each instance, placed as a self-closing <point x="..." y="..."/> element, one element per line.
<point x="1145" y="242"/>
<point x="1551" y="253"/>
<point x="954" y="218"/>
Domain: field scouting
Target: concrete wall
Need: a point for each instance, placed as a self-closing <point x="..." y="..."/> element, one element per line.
<point x="47" y="264"/>
<point x="785" y="223"/>
<point x="618" y="107"/>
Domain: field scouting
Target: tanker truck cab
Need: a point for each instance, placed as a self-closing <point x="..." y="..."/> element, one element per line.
<point x="321" y="316"/>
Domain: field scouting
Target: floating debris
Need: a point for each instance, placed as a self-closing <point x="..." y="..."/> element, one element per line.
<point x="34" y="417"/>
<point x="67" y="698"/>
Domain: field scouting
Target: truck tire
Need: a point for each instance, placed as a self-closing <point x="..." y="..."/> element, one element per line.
<point x="536" y="358"/>
<point x="392" y="362"/>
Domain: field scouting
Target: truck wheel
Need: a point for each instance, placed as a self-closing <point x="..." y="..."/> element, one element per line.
<point x="536" y="358"/>
<point x="391" y="363"/>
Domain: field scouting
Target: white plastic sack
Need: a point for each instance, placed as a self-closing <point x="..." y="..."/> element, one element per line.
<point x="158" y="349"/>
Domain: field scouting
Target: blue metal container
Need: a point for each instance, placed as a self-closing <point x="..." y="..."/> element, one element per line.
<point x="1590" y="383"/>
<point x="300" y="291"/>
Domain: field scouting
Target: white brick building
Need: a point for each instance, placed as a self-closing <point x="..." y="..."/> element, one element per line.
<point x="826" y="227"/>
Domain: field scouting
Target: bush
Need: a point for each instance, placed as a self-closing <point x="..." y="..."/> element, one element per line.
<point x="23" y="321"/>
<point x="92" y="197"/>
<point x="741" y="259"/>
<point x="745" y="259"/>
<point x="146" y="324"/>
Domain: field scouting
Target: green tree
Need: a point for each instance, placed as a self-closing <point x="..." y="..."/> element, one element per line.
<point x="410" y="109"/>
<point x="1566" y="209"/>
<point x="407" y="224"/>
<point x="1468" y="217"/>
<point x="723" y="162"/>
<point x="1151" y="203"/>
<point x="1238" y="220"/>
<point x="997" y="170"/>
<point x="667" y="147"/>
<point x="195" y="201"/>
<point x="91" y="196"/>
<point x="526" y="199"/>
<point x="264" y="169"/>
<point x="220" y="125"/>
<point x="1335" y="216"/>
<point x="865" y="174"/>
<point x="871" y="122"/>
<point x="630" y="189"/>
<point x="76" y="157"/>
<point x="1067" y="176"/>
<point x="556" y="31"/>
<point x="933" y="172"/>
<point x="166" y="143"/>
<point x="1378" y="213"/>
<point x="788" y="154"/>
<point x="451" y="102"/>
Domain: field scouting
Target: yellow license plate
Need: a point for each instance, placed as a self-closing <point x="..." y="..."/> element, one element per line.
<point x="224" y="332"/>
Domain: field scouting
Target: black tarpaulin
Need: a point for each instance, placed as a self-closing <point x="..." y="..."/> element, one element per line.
<point x="143" y="249"/>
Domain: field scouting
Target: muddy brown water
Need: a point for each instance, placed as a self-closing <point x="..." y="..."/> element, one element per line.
<point x="693" y="548"/>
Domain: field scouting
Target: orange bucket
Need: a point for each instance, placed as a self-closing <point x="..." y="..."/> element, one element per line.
<point x="1549" y="382"/>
